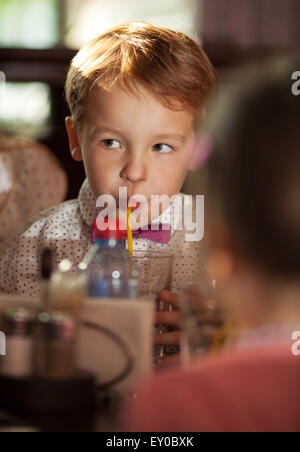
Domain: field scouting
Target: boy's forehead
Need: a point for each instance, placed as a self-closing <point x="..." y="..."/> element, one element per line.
<point x="119" y="108"/>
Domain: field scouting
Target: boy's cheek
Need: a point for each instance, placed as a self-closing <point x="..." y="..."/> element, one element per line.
<point x="175" y="179"/>
<point x="169" y="184"/>
<point x="101" y="180"/>
<point x="100" y="169"/>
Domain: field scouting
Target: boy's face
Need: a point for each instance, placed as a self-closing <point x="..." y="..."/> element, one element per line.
<point x="133" y="141"/>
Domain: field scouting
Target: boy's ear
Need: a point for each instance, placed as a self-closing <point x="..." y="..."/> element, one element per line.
<point x="201" y="151"/>
<point x="73" y="140"/>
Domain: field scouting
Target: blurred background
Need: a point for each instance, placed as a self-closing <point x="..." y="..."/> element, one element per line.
<point x="38" y="38"/>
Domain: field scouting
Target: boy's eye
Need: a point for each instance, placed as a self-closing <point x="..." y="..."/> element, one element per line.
<point x="162" y="148"/>
<point x="111" y="144"/>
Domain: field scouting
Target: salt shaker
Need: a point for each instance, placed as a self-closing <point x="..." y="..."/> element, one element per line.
<point x="17" y="325"/>
<point x="55" y="346"/>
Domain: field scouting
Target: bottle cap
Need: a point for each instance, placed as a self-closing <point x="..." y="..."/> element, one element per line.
<point x="115" y="231"/>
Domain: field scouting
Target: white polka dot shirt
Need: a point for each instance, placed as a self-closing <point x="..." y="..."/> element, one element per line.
<point x="67" y="230"/>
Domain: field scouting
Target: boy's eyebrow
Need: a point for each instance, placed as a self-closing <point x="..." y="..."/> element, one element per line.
<point x="107" y="129"/>
<point x="175" y="136"/>
<point x="171" y="136"/>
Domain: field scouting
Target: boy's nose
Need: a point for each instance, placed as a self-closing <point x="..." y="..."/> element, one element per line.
<point x="134" y="171"/>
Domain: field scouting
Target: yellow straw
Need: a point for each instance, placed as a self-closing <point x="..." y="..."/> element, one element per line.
<point x="223" y="336"/>
<point x="129" y="231"/>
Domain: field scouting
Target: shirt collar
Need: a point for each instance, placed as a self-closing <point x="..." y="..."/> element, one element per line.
<point x="87" y="204"/>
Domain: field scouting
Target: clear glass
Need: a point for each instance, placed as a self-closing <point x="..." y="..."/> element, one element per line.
<point x="67" y="290"/>
<point x="201" y="321"/>
<point x="155" y="273"/>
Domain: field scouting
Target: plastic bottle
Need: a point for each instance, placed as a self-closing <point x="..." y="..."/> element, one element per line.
<point x="109" y="267"/>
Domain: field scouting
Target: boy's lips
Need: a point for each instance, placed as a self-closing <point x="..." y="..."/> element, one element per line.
<point x="134" y="205"/>
<point x="133" y="201"/>
<point x="137" y="206"/>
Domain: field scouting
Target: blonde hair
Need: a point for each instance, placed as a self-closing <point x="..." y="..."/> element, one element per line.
<point x="170" y="64"/>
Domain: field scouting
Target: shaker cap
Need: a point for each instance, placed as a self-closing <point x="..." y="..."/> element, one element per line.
<point x="18" y="321"/>
<point x="58" y="326"/>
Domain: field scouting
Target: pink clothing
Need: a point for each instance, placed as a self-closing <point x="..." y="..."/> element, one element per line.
<point x="31" y="180"/>
<point x="256" y="391"/>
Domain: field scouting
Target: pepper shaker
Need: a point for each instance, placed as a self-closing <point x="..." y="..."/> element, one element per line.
<point x="17" y="325"/>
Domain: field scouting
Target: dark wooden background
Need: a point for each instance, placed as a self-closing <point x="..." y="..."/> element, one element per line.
<point x="233" y="32"/>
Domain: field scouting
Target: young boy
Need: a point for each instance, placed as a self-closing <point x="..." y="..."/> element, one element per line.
<point x="133" y="93"/>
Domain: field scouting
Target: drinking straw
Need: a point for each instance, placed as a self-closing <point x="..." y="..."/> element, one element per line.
<point x="223" y="336"/>
<point x="129" y="231"/>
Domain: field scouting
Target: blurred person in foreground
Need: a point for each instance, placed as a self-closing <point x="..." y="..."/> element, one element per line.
<point x="254" y="235"/>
